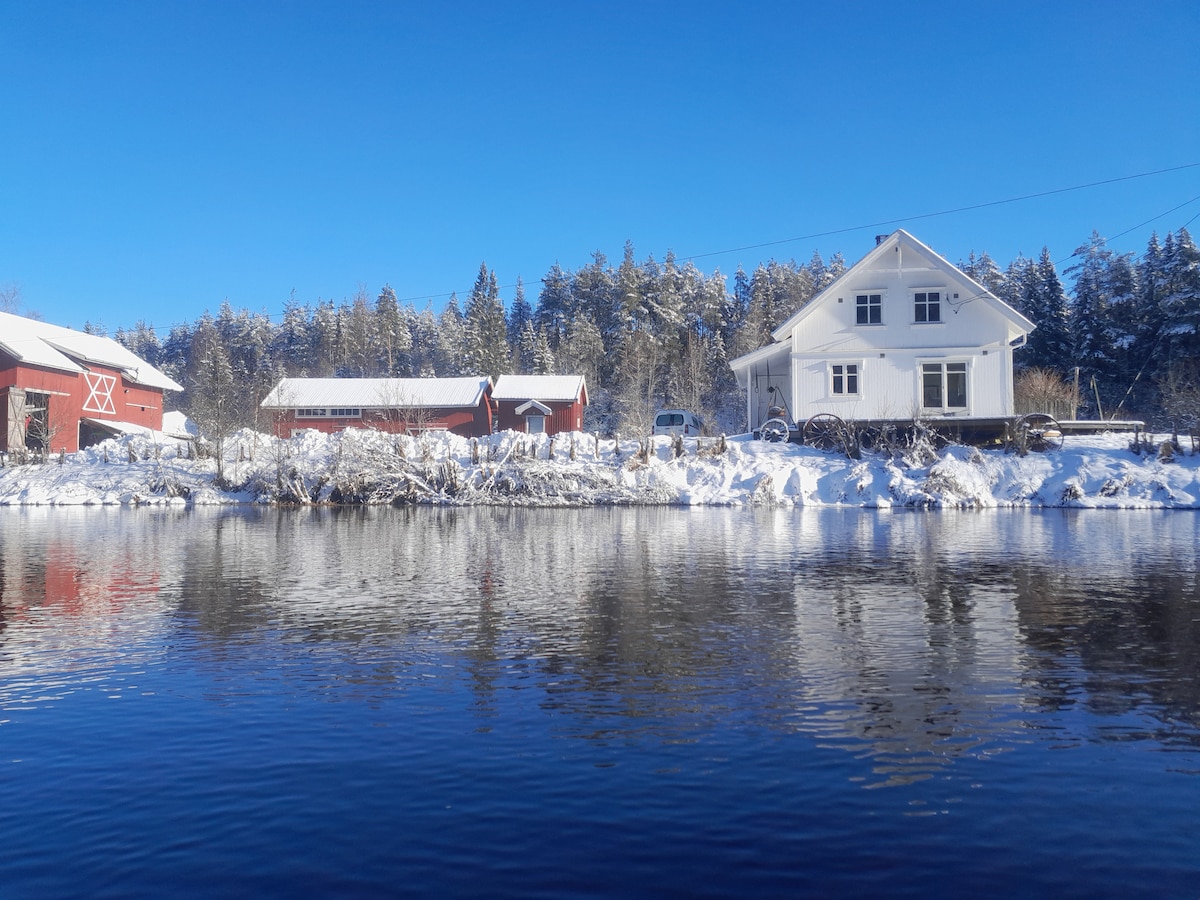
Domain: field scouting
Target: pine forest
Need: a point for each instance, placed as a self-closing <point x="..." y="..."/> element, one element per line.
<point x="1124" y="336"/>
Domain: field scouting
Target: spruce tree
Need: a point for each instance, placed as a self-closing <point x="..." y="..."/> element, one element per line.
<point x="486" y="333"/>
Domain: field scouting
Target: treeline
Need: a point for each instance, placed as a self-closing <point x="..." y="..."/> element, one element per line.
<point x="644" y="334"/>
<point x="649" y="334"/>
<point x="1127" y="334"/>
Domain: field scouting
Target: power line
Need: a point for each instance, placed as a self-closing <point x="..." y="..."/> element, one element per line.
<point x="946" y="212"/>
<point x="1139" y="225"/>
<point x="871" y="225"/>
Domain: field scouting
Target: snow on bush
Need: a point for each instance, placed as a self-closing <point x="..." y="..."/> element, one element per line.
<point x="371" y="467"/>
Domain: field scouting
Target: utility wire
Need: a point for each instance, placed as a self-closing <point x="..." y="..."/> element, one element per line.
<point x="947" y="212"/>
<point x="1136" y="227"/>
<point x="880" y="224"/>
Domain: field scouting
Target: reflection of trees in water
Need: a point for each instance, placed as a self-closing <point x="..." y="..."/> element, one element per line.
<point x="225" y="578"/>
<point x="1118" y="643"/>
<point x="920" y="635"/>
<point x="909" y="638"/>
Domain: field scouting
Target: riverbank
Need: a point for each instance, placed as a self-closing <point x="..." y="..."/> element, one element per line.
<point x="1099" y="471"/>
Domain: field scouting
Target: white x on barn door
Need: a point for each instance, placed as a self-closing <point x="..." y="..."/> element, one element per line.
<point x="100" y="388"/>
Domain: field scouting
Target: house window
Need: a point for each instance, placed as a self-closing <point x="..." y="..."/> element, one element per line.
<point x="845" y="379"/>
<point x="868" y="309"/>
<point x="927" y="306"/>
<point x="535" y="424"/>
<point x="310" y="413"/>
<point x="944" y="386"/>
<point x="346" y="412"/>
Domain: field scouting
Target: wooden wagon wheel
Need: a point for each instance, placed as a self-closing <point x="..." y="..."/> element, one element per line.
<point x="774" y="430"/>
<point x="825" y="431"/>
<point x="1038" y="432"/>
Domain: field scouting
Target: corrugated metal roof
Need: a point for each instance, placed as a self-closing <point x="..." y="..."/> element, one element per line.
<point x="538" y="387"/>
<point x="375" y="393"/>
<point x="54" y="347"/>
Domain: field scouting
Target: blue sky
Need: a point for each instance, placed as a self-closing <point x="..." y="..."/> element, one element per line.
<point x="162" y="157"/>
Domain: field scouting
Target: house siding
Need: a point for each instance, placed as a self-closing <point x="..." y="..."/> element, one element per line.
<point x="472" y="422"/>
<point x="562" y="417"/>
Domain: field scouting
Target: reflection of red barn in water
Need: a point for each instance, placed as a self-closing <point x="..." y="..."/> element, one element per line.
<point x="76" y="587"/>
<point x="62" y="389"/>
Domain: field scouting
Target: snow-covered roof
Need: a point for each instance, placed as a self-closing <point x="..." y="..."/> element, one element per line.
<point x="37" y="343"/>
<point x="539" y="387"/>
<point x="377" y="393"/>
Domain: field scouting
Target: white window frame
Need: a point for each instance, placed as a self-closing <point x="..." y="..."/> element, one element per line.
<point x="960" y="367"/>
<point x="868" y="306"/>
<point x="529" y="422"/>
<point x="311" y="412"/>
<point x="923" y="294"/>
<point x="838" y="371"/>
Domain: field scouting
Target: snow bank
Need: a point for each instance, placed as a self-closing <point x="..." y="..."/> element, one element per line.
<point x="579" y="470"/>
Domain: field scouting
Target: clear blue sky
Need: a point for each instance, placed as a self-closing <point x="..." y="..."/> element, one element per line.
<point x="161" y="157"/>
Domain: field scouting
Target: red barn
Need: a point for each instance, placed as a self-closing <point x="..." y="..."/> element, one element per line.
<point x="396" y="405"/>
<point x="538" y="404"/>
<point x="63" y="389"/>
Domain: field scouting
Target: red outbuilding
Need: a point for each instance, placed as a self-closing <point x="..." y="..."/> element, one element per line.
<point x="64" y="389"/>
<point x="396" y="405"/>
<point x="538" y="404"/>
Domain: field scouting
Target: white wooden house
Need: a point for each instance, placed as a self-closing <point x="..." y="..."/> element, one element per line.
<point x="900" y="335"/>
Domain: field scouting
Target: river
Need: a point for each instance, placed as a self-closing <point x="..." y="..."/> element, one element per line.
<point x="598" y="702"/>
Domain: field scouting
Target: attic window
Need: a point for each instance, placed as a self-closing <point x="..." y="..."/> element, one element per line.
<point x="868" y="309"/>
<point x="927" y="306"/>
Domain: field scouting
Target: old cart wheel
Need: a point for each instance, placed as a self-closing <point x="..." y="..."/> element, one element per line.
<point x="825" y="431"/>
<point x="1038" y="432"/>
<point x="774" y="430"/>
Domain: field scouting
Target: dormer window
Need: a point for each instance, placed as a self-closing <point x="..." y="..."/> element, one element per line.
<point x="927" y="306"/>
<point x="868" y="309"/>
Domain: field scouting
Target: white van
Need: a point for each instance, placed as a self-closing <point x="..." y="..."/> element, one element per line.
<point x="676" y="421"/>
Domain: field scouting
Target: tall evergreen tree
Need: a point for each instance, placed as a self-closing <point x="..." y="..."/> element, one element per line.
<point x="555" y="306"/>
<point x="452" y="352"/>
<point x="1180" y="298"/>
<point x="486" y="333"/>
<point x="520" y="314"/>
<point x="293" y="344"/>
<point x="1040" y="296"/>
<point x="393" y="340"/>
<point x="1102" y="291"/>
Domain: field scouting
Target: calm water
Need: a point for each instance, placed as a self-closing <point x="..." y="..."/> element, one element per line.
<point x="549" y="703"/>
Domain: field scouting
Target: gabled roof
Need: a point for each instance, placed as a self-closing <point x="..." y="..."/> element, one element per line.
<point x="540" y="387"/>
<point x="35" y="343"/>
<point x="377" y="393"/>
<point x="902" y="240"/>
<point x="533" y="404"/>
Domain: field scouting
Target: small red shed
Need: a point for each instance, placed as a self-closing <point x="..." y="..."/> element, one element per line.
<point x="538" y="404"/>
<point x="395" y="405"/>
<point x="63" y="389"/>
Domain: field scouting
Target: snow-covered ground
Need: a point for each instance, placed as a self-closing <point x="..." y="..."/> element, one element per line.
<point x="576" y="469"/>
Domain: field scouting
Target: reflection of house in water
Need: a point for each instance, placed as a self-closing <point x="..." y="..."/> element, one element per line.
<point x="904" y="648"/>
<point x="81" y="579"/>
<point x="72" y="572"/>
